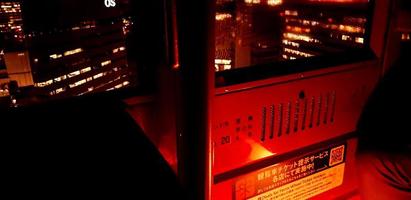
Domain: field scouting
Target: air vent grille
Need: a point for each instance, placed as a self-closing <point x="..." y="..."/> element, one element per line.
<point x="296" y="116"/>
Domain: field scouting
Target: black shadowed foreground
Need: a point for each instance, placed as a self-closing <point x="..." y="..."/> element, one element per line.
<point x="78" y="149"/>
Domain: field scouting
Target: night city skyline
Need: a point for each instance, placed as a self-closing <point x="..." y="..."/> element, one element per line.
<point x="243" y="38"/>
<point x="64" y="48"/>
<point x="256" y="32"/>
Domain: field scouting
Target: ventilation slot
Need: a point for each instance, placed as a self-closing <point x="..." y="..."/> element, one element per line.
<point x="320" y="105"/>
<point x="288" y="118"/>
<point x="296" y="115"/>
<point x="280" y="120"/>
<point x="312" y="110"/>
<point x="304" y="113"/>
<point x="327" y="103"/>
<point x="263" y="129"/>
<point x="272" y="121"/>
<point x="333" y="102"/>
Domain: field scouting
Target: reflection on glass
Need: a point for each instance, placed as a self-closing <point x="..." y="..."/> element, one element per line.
<point x="63" y="48"/>
<point x="252" y="32"/>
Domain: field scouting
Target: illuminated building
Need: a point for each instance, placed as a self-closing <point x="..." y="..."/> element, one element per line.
<point x="255" y="32"/>
<point x="2" y="63"/>
<point x="225" y="37"/>
<point x="63" y="59"/>
<point x="318" y="27"/>
<point x="11" y="25"/>
<point x="242" y="36"/>
<point x="3" y="75"/>
<point x="76" y="53"/>
<point x="14" y="56"/>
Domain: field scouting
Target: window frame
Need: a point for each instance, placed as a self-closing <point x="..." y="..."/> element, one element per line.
<point x="282" y="68"/>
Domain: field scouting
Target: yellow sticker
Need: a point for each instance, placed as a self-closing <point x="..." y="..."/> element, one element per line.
<point x="297" y="178"/>
<point x="307" y="187"/>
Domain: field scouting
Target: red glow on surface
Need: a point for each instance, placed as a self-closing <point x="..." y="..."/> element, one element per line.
<point x="169" y="156"/>
<point x="239" y="122"/>
<point x="176" y="66"/>
<point x="246" y="151"/>
<point x="176" y="55"/>
<point x="258" y="151"/>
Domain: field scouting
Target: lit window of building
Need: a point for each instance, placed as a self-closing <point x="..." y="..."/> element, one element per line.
<point x="359" y="40"/>
<point x="60" y="90"/>
<point x="294" y="36"/>
<point x="118" y="86"/>
<point x="116" y="50"/>
<point x="222" y="16"/>
<point x="297" y="29"/>
<point x="127" y="23"/>
<point x="296" y="52"/>
<point x="274" y="2"/>
<point x="78" y="83"/>
<point x="44" y="84"/>
<point x="291" y="12"/>
<point x="61" y="78"/>
<point x="72" y="52"/>
<point x="291" y="43"/>
<point x="98" y="76"/>
<point x="105" y="63"/>
<point x="345" y="37"/>
<point x="56" y="56"/>
<point x="222" y="64"/>
<point x="222" y="61"/>
<point x="252" y="1"/>
<point x="73" y="74"/>
<point x="87" y="69"/>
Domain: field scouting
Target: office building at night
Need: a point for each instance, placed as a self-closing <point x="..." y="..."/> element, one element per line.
<point x="80" y="52"/>
<point x="255" y="32"/>
<point x="314" y="29"/>
<point x="68" y="53"/>
<point x="11" y="22"/>
<point x="242" y="36"/>
<point x="3" y="75"/>
<point x="14" y="63"/>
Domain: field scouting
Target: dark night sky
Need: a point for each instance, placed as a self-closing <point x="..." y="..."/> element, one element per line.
<point x="41" y="15"/>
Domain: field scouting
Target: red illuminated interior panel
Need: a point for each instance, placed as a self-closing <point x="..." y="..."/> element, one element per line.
<point x="265" y="119"/>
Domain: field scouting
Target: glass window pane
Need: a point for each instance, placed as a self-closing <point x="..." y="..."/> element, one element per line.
<point x="253" y="32"/>
<point x="61" y="48"/>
